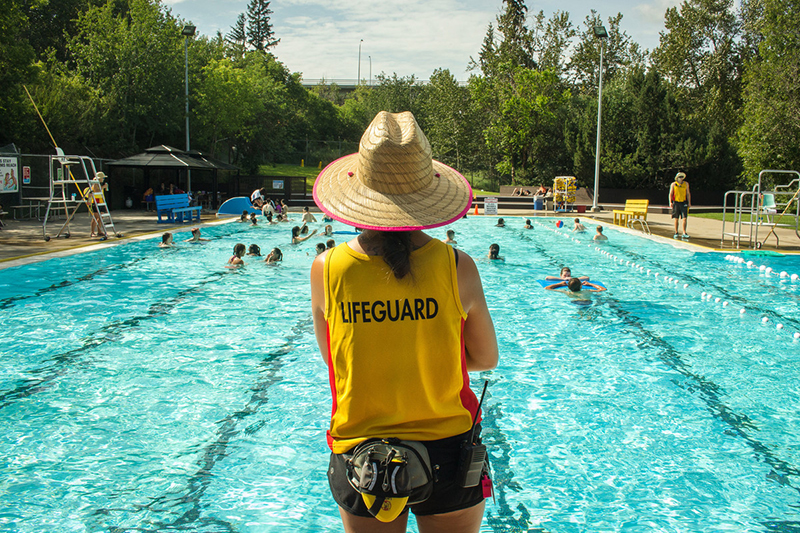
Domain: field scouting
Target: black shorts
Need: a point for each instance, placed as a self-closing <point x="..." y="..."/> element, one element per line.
<point x="680" y="209"/>
<point x="447" y="495"/>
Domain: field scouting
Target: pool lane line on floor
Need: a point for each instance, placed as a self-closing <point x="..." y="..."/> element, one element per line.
<point x="711" y="392"/>
<point x="109" y="332"/>
<point x="197" y="484"/>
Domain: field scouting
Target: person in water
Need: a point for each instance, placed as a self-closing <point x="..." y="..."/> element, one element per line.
<point x="400" y="319"/>
<point x="274" y="256"/>
<point x="566" y="273"/>
<point x="494" y="252"/>
<point x="599" y="235"/>
<point x="450" y="237"/>
<point x="236" y="259"/>
<point x="166" y="241"/>
<point x="575" y="285"/>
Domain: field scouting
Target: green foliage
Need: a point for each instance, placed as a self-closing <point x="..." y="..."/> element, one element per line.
<point x="259" y="29"/>
<point x="108" y="77"/>
<point x="770" y="134"/>
<point x="16" y="69"/>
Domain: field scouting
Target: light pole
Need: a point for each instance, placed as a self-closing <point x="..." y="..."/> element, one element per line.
<point x="187" y="31"/>
<point x="358" y="81"/>
<point x="601" y="33"/>
<point x="370" y="71"/>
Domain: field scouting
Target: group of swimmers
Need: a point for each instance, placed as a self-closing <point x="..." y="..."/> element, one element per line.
<point x="578" y="228"/>
<point x="299" y="234"/>
<point x="565" y="278"/>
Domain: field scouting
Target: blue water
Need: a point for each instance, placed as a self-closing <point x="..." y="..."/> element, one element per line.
<point x="155" y="390"/>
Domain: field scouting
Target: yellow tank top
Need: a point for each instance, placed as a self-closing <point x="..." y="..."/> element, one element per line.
<point x="396" y="362"/>
<point x="679" y="190"/>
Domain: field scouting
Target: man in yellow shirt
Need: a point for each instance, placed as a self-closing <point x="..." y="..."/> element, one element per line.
<point x="680" y="200"/>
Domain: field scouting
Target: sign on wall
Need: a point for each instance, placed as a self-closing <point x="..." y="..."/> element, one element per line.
<point x="26" y="175"/>
<point x="490" y="206"/>
<point x="277" y="184"/>
<point x="9" y="174"/>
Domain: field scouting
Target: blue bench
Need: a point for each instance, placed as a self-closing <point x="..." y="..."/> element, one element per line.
<point x="176" y="209"/>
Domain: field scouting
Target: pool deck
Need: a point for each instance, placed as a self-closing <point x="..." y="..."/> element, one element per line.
<point x="22" y="241"/>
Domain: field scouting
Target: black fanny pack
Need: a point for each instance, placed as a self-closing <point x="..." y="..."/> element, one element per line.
<point x="390" y="474"/>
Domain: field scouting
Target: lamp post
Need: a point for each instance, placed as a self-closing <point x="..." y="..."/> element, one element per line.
<point x="601" y="33"/>
<point x="358" y="81"/>
<point x="187" y="31"/>
<point x="370" y="71"/>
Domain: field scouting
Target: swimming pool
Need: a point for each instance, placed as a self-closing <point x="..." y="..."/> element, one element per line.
<point x="151" y="390"/>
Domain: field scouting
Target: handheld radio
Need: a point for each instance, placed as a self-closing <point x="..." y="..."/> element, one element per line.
<point x="473" y="456"/>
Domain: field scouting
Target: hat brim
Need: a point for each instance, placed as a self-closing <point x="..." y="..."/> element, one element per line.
<point x="348" y="200"/>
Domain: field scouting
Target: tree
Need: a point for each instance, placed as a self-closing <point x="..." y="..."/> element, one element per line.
<point x="259" y="29"/>
<point x="237" y="37"/>
<point x="700" y="53"/>
<point x="619" y="54"/>
<point x="770" y="133"/>
<point x="526" y="128"/>
<point x="16" y="69"/>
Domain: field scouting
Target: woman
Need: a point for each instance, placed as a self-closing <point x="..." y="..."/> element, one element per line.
<point x="400" y="318"/>
<point x="274" y="256"/>
<point x="296" y="238"/>
<point x="236" y="259"/>
<point x="566" y="274"/>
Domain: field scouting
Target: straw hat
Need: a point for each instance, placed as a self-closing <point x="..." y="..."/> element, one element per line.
<point x="392" y="184"/>
<point x="680" y="175"/>
<point x="100" y="175"/>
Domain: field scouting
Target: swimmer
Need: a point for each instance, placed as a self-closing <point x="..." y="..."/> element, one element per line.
<point x="236" y="258"/>
<point x="307" y="216"/>
<point x="330" y="243"/>
<point x="328" y="230"/>
<point x="450" y="240"/>
<point x="274" y="256"/>
<point x="599" y="236"/>
<point x="566" y="274"/>
<point x="254" y="250"/>
<point x="196" y="236"/>
<point x="297" y="239"/>
<point x="575" y="285"/>
<point x="528" y="224"/>
<point x="321" y="248"/>
<point x="579" y="228"/>
<point x="243" y="218"/>
<point x="166" y="241"/>
<point x="327" y="218"/>
<point x="253" y="219"/>
<point x="501" y="223"/>
<point x="494" y="252"/>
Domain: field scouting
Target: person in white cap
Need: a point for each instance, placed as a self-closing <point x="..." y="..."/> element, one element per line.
<point x="400" y="319"/>
<point x="101" y="185"/>
<point x="680" y="200"/>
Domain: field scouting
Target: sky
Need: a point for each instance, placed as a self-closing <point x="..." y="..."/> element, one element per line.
<point x="321" y="38"/>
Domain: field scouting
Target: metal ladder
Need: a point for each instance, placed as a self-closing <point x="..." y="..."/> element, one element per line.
<point x="61" y="178"/>
<point x="750" y="203"/>
<point x="642" y="222"/>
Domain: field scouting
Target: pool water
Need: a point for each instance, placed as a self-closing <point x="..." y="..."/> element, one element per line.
<point x="145" y="389"/>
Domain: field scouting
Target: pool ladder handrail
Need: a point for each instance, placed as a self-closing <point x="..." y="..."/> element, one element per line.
<point x="644" y="224"/>
<point x="755" y="208"/>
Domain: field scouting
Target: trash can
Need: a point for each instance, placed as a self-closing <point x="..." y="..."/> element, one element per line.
<point x="580" y="208"/>
<point x="538" y="204"/>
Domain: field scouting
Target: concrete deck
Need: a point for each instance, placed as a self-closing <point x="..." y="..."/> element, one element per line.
<point x="22" y="241"/>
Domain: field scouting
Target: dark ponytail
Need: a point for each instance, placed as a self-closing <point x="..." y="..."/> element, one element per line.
<point x="396" y="251"/>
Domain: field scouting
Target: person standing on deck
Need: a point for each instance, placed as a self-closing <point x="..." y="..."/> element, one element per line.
<point x="680" y="200"/>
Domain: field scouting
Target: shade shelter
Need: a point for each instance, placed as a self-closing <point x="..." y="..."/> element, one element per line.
<point x="163" y="157"/>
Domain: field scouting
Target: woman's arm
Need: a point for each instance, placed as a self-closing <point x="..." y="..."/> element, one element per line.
<point x="318" y="304"/>
<point x="480" y="340"/>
